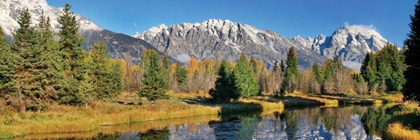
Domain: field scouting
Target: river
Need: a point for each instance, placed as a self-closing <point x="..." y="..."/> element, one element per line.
<point x="345" y="122"/>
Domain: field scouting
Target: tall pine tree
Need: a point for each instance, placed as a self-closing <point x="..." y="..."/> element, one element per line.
<point x="390" y="68"/>
<point x="292" y="74"/>
<point x="224" y="89"/>
<point x="319" y="75"/>
<point x="5" y="66"/>
<point x="412" y="73"/>
<point x="26" y="52"/>
<point x="51" y="67"/>
<point x="165" y="66"/>
<point x="181" y="76"/>
<point x="107" y="84"/>
<point x="368" y="71"/>
<point x="245" y="82"/>
<point x="72" y="54"/>
<point x="154" y="82"/>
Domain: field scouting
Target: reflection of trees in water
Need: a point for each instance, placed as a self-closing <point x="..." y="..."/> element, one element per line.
<point x="333" y="119"/>
<point x="154" y="134"/>
<point x="291" y="118"/>
<point x="375" y="121"/>
<point x="303" y="123"/>
<point x="238" y="126"/>
<point x="102" y="136"/>
<point x="248" y="127"/>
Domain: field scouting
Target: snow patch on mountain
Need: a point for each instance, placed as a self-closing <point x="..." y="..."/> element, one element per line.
<point x="11" y="9"/>
<point x="350" y="42"/>
<point x="183" y="58"/>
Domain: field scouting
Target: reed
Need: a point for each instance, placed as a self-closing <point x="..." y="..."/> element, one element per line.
<point x="410" y="106"/>
<point x="398" y="132"/>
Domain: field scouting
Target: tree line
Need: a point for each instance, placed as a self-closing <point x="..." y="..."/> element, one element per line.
<point x="37" y="69"/>
<point x="41" y="67"/>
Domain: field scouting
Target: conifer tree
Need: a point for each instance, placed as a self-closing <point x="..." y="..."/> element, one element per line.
<point x="25" y="54"/>
<point x="245" y="82"/>
<point x="254" y="65"/>
<point x="224" y="89"/>
<point x="390" y="68"/>
<point x="114" y="77"/>
<point x="154" y="84"/>
<point x="335" y="80"/>
<point x="107" y="84"/>
<point x="88" y="90"/>
<point x="368" y="71"/>
<point x="52" y="74"/>
<point x="181" y="76"/>
<point x="5" y="65"/>
<point x="165" y="66"/>
<point x="412" y="73"/>
<point x="292" y="74"/>
<point x="319" y="76"/>
<point x="72" y="54"/>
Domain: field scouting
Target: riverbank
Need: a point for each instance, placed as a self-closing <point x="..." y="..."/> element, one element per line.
<point x="405" y="122"/>
<point x="70" y="119"/>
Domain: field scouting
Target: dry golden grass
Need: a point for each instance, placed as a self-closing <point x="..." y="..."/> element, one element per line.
<point x="397" y="97"/>
<point x="185" y="95"/>
<point x="398" y="132"/>
<point x="70" y="119"/>
<point x="325" y="101"/>
<point x="67" y="119"/>
<point x="140" y="127"/>
<point x="265" y="105"/>
<point x="353" y="99"/>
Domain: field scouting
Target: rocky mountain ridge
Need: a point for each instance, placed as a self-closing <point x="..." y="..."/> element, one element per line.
<point x="226" y="39"/>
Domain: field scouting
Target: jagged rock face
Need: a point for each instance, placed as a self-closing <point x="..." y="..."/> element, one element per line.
<point x="118" y="44"/>
<point x="218" y="39"/>
<point x="226" y="40"/>
<point x="350" y="43"/>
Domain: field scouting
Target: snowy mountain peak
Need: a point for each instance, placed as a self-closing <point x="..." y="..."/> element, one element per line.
<point x="11" y="9"/>
<point x="224" y="29"/>
<point x="223" y="37"/>
<point x="363" y="30"/>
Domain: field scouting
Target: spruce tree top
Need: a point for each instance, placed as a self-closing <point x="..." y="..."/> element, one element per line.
<point x="292" y="61"/>
<point x="413" y="40"/>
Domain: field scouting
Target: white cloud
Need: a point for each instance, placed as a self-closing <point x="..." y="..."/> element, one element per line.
<point x="359" y="26"/>
<point x="183" y="58"/>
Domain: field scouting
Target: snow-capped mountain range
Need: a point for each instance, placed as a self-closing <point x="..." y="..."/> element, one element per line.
<point x="226" y="39"/>
<point x="11" y="9"/>
<point x="210" y="39"/>
<point x="118" y="44"/>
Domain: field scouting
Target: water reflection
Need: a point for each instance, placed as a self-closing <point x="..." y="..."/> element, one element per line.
<point x="297" y="123"/>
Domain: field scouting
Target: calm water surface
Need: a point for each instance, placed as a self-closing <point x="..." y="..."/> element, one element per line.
<point x="351" y="122"/>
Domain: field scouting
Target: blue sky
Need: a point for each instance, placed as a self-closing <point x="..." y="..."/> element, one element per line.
<point x="307" y="18"/>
